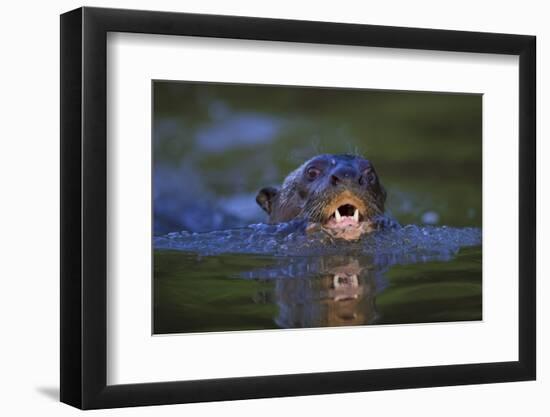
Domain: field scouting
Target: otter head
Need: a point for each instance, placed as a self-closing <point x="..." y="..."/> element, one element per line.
<point x="340" y="193"/>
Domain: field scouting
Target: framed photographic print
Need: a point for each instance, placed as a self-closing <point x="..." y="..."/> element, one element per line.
<point x="258" y="207"/>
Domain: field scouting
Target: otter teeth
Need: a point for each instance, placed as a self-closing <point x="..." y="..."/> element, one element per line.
<point x="338" y="216"/>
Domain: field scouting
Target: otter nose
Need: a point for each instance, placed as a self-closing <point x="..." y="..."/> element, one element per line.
<point x="343" y="174"/>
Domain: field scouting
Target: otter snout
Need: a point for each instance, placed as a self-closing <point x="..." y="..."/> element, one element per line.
<point x="344" y="174"/>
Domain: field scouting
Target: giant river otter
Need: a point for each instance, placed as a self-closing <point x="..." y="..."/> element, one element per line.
<point x="340" y="194"/>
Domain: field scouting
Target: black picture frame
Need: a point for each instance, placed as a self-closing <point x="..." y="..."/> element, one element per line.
<point x="84" y="207"/>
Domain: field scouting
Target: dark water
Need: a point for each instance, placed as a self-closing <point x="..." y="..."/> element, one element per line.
<point x="202" y="294"/>
<point x="263" y="277"/>
<point x="216" y="145"/>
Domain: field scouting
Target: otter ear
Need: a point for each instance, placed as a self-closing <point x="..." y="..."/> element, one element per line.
<point x="265" y="198"/>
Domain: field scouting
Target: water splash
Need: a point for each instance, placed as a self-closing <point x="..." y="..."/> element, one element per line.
<point x="409" y="244"/>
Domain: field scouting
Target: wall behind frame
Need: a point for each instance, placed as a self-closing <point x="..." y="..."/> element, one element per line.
<point x="29" y="175"/>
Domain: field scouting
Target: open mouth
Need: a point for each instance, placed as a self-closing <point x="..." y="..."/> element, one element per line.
<point x="344" y="215"/>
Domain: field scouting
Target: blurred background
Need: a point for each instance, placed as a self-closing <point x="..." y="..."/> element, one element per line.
<point x="216" y="145"/>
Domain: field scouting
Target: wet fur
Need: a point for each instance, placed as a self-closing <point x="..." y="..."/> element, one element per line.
<point x="315" y="200"/>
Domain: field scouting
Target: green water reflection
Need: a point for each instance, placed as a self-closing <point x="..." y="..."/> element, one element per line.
<point x="201" y="294"/>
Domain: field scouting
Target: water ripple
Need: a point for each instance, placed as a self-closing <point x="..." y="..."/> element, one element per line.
<point x="408" y="244"/>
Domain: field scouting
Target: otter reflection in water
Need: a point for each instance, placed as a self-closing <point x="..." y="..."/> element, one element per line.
<point x="325" y="291"/>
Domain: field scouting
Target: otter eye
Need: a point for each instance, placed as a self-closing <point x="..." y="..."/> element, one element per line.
<point x="312" y="173"/>
<point x="368" y="176"/>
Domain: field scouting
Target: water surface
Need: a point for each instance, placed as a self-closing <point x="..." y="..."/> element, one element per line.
<point x="262" y="277"/>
